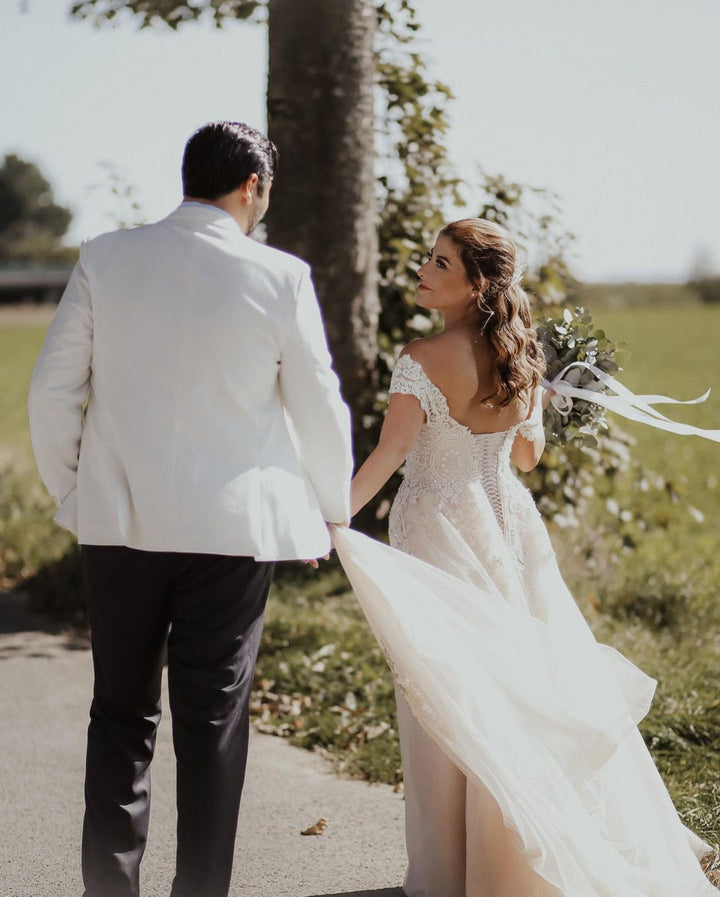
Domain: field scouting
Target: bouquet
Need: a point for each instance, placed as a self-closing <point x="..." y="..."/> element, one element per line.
<point x="581" y="362"/>
<point x="565" y="340"/>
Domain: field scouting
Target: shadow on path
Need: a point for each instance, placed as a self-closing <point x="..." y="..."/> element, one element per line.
<point x="378" y="892"/>
<point x="29" y="633"/>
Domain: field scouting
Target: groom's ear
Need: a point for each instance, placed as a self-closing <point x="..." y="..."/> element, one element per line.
<point x="249" y="190"/>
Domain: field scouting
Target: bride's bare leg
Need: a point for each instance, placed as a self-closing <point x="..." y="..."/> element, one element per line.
<point x="434" y="813"/>
<point x="495" y="865"/>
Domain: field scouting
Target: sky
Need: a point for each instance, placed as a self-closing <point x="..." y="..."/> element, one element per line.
<point x="612" y="104"/>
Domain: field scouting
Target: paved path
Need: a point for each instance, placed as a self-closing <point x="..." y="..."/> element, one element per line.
<point x="45" y="685"/>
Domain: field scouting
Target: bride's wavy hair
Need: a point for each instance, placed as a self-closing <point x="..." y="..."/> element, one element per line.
<point x="489" y="257"/>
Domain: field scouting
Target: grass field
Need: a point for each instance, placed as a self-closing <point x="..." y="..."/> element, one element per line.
<point x="19" y="346"/>
<point x="674" y="573"/>
<point x="322" y="681"/>
<point x="675" y="352"/>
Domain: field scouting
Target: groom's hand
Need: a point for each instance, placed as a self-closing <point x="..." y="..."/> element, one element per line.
<point x="314" y="561"/>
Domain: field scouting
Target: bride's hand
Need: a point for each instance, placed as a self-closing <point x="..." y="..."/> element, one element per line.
<point x="547" y="396"/>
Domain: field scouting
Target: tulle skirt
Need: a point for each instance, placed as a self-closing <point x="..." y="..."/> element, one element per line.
<point x="537" y="722"/>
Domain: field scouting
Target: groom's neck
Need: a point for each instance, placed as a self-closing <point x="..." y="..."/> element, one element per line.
<point x="229" y="204"/>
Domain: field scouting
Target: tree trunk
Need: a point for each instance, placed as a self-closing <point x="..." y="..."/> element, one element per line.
<point x="323" y="207"/>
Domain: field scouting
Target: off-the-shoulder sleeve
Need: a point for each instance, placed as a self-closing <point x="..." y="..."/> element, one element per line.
<point x="531" y="429"/>
<point x="409" y="379"/>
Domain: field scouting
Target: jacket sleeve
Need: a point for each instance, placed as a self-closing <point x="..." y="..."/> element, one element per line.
<point x="320" y="418"/>
<point x="59" y="387"/>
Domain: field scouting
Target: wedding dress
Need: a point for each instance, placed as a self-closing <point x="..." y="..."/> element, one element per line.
<point x="525" y="773"/>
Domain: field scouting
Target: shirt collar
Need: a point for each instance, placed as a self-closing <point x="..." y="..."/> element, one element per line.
<point x="206" y="212"/>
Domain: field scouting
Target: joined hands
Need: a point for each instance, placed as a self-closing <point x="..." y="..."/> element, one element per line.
<point x="313" y="562"/>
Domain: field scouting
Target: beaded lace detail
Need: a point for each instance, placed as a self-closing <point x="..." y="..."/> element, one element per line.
<point x="530" y="429"/>
<point x="410" y="379"/>
<point x="448" y="462"/>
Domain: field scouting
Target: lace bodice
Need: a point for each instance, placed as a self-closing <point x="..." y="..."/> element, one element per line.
<point x="447" y="454"/>
<point x="448" y="457"/>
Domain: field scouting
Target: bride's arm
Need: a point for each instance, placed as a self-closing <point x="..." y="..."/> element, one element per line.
<point x="529" y="443"/>
<point x="400" y="429"/>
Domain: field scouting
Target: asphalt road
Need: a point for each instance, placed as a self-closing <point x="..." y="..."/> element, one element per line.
<point x="45" y="687"/>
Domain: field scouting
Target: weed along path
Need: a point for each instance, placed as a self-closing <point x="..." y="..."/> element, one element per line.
<point x="46" y="686"/>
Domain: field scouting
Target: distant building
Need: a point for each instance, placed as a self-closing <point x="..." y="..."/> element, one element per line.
<point x="37" y="285"/>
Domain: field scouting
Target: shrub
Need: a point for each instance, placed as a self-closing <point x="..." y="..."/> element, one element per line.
<point x="707" y="288"/>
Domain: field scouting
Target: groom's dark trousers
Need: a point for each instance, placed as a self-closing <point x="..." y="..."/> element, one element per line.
<point x="213" y="607"/>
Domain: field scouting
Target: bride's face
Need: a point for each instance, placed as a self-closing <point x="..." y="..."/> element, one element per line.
<point x="444" y="283"/>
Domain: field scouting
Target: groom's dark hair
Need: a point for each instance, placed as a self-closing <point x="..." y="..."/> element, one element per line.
<point x="221" y="156"/>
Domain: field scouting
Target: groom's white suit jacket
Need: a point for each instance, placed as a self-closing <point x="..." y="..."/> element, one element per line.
<point x="214" y="421"/>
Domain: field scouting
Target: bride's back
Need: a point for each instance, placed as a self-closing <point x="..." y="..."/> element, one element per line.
<point x="460" y="363"/>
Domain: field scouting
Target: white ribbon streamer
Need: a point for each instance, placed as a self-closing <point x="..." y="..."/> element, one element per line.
<point x="623" y="402"/>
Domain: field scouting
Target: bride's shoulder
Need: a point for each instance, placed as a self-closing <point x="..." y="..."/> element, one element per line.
<point x="440" y="354"/>
<point x="438" y="347"/>
<point x="414" y="351"/>
<point x="416" y="348"/>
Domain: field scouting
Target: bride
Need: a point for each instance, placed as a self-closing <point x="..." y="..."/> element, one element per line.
<point x="525" y="774"/>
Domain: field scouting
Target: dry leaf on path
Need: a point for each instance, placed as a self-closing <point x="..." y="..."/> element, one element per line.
<point x="316" y="829"/>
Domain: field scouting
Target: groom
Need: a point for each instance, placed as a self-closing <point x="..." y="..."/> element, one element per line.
<point x="214" y="442"/>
